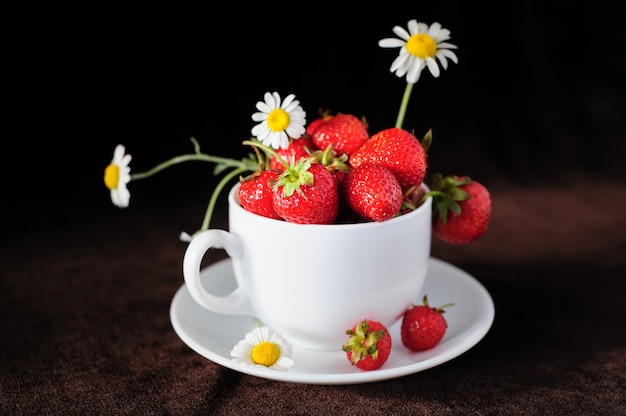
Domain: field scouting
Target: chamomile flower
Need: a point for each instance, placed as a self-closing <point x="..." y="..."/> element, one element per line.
<point x="418" y="49"/>
<point x="117" y="175"/>
<point x="278" y="121"/>
<point x="263" y="347"/>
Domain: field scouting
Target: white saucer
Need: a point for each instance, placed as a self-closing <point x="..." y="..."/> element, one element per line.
<point x="213" y="335"/>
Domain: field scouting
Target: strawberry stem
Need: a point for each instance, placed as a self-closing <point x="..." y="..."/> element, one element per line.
<point x="440" y="309"/>
<point x="329" y="158"/>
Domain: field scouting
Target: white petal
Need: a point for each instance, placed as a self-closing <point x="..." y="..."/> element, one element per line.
<point x="276" y="100"/>
<point x="293" y="108"/>
<point x="400" y="62"/>
<point x="391" y="43"/>
<point x="446" y="45"/>
<point x="268" y="138"/>
<point x="448" y="54"/>
<point x="295" y="131"/>
<point x="445" y="53"/>
<point x="280" y="140"/>
<point x="414" y="74"/>
<point x="120" y="196"/>
<point x="259" y="116"/>
<point x="434" y="29"/>
<point x="118" y="153"/>
<point x="413" y="27"/>
<point x="401" y="32"/>
<point x="297" y="114"/>
<point x="442" y="61"/>
<point x="242" y="349"/>
<point x="263" y="107"/>
<point x="260" y="131"/>
<point x="432" y="66"/>
<point x="440" y="35"/>
<point x="185" y="237"/>
<point x="254" y="337"/>
<point x="283" y="363"/>
<point x="422" y="27"/>
<point x="288" y="100"/>
<point x="270" y="100"/>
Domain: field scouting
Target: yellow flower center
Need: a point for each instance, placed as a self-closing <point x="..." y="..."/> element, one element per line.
<point x="111" y="176"/>
<point x="422" y="46"/>
<point x="265" y="353"/>
<point x="278" y="120"/>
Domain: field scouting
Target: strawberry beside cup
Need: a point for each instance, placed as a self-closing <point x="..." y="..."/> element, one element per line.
<point x="368" y="345"/>
<point x="461" y="207"/>
<point x="423" y="326"/>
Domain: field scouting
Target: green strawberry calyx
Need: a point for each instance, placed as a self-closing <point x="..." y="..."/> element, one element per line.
<point x="440" y="309"/>
<point x="447" y="193"/>
<point x="296" y="173"/>
<point x="427" y="140"/>
<point x="328" y="157"/>
<point x="363" y="342"/>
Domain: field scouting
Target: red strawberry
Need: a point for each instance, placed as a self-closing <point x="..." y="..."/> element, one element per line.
<point x="399" y="151"/>
<point x="373" y="192"/>
<point x="344" y="132"/>
<point x="306" y="193"/>
<point x="462" y="209"/>
<point x="313" y="125"/>
<point x="369" y="345"/>
<point x="423" y="326"/>
<point x="255" y="193"/>
<point x="339" y="167"/>
<point x="297" y="148"/>
<point x="324" y="115"/>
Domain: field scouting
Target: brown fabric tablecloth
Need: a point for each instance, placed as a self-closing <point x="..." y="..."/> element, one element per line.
<point x="86" y="329"/>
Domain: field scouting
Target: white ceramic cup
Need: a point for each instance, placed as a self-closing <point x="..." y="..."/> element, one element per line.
<point x="313" y="282"/>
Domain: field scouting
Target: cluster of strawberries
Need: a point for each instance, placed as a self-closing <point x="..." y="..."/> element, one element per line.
<point x="337" y="173"/>
<point x="369" y="343"/>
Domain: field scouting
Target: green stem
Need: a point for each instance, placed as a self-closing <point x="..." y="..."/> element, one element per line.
<point x="404" y="104"/>
<point x="240" y="166"/>
<point x="218" y="189"/>
<point x="270" y="150"/>
<point x="191" y="157"/>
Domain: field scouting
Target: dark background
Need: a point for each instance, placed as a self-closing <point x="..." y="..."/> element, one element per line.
<point x="536" y="93"/>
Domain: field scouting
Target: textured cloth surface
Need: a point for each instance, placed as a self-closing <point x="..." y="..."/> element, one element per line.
<point x="86" y="330"/>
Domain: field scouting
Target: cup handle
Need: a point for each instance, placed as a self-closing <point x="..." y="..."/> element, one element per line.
<point x="235" y="303"/>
